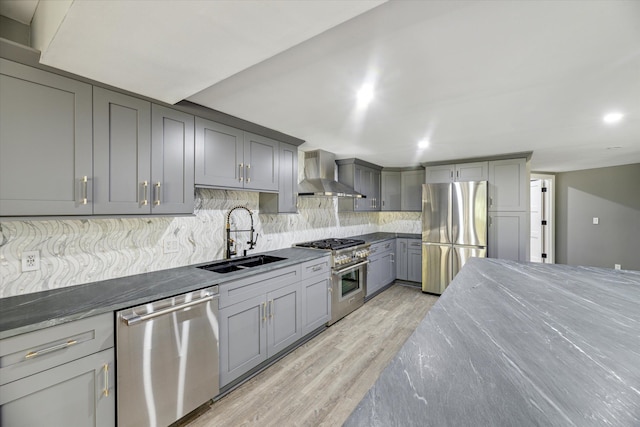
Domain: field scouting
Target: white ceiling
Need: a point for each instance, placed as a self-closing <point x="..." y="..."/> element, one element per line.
<point x="476" y="78"/>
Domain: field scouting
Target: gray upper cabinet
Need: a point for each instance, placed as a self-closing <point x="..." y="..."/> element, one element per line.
<point x="231" y="158"/>
<point x="219" y="155"/>
<point x="122" y="153"/>
<point x="46" y="158"/>
<point x="286" y="199"/>
<point x="508" y="185"/>
<point x="365" y="178"/>
<point x="411" y="184"/>
<point x="172" y="161"/>
<point x="261" y="162"/>
<point x="475" y="171"/>
<point x="391" y="191"/>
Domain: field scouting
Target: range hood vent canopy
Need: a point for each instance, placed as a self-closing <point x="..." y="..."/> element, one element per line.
<point x="319" y="177"/>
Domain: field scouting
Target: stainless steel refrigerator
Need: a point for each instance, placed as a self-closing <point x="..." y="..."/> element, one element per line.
<point x="454" y="229"/>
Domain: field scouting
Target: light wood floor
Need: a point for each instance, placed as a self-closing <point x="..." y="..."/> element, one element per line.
<point x="321" y="382"/>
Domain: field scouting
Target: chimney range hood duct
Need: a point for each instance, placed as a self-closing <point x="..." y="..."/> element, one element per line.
<point x="319" y="177"/>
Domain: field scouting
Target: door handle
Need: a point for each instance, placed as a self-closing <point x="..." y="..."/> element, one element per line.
<point x="271" y="311"/>
<point x="106" y="380"/>
<point x="85" y="188"/>
<point x="33" y="354"/>
<point x="157" y="195"/>
<point x="264" y="311"/>
<point x="145" y="190"/>
<point x="248" y="177"/>
<point x="240" y="172"/>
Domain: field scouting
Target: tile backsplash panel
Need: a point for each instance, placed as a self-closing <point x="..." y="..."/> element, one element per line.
<point x="76" y="251"/>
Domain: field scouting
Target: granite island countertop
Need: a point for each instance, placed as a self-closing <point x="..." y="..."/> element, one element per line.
<point x="30" y="312"/>
<point x="511" y="344"/>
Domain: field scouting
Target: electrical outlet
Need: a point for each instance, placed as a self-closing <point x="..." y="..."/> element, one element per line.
<point x="170" y="246"/>
<point x="617" y="266"/>
<point x="30" y="261"/>
<point x="596" y="220"/>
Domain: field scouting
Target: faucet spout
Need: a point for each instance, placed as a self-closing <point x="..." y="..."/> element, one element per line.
<point x="230" y="242"/>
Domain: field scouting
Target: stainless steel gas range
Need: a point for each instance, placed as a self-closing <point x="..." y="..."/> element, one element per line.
<point x="348" y="273"/>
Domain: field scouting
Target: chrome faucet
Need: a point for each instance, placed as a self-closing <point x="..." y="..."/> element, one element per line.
<point x="231" y="242"/>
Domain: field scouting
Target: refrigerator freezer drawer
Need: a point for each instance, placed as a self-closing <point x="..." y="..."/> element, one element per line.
<point x="436" y="267"/>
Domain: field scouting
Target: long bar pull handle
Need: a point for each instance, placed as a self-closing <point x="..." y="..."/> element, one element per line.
<point x="353" y="267"/>
<point x="106" y="380"/>
<point x="133" y="320"/>
<point x="157" y="196"/>
<point x="33" y="354"/>
<point x="145" y="192"/>
<point x="271" y="311"/>
<point x="264" y="311"/>
<point x="85" y="185"/>
<point x="241" y="172"/>
<point x="248" y="178"/>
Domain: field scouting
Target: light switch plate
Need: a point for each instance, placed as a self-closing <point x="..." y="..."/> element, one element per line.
<point x="617" y="266"/>
<point x="30" y="261"/>
<point x="596" y="220"/>
<point x="170" y="246"/>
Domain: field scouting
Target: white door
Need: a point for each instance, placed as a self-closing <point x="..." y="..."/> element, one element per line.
<point x="537" y="215"/>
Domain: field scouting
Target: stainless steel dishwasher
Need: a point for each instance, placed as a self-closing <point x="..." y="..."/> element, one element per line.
<point x="167" y="358"/>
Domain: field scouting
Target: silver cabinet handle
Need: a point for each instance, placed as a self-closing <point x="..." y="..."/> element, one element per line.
<point x="490" y="201"/>
<point x="393" y="257"/>
<point x="264" y="311"/>
<point x="451" y="174"/>
<point x="33" y="354"/>
<point x="241" y="172"/>
<point x="133" y="320"/>
<point x="85" y="184"/>
<point x="271" y="311"/>
<point x="248" y="178"/>
<point x="145" y="191"/>
<point x="106" y="380"/>
<point x="330" y="289"/>
<point x="317" y="267"/>
<point x="157" y="197"/>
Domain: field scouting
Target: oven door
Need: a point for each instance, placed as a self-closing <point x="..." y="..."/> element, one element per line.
<point x="348" y="290"/>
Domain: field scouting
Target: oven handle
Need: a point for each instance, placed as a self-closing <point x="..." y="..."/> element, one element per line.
<point x="353" y="267"/>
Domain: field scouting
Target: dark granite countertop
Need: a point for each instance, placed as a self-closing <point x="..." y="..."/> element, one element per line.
<point x="511" y="344"/>
<point x="29" y="312"/>
<point x="381" y="236"/>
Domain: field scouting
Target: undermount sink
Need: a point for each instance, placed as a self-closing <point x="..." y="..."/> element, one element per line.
<point x="231" y="265"/>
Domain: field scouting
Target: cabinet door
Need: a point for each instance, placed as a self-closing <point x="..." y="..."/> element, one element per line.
<point x="78" y="393"/>
<point x="219" y="155"/>
<point x="243" y="338"/>
<point x="401" y="259"/>
<point x="362" y="183"/>
<point x="391" y="191"/>
<point x="288" y="180"/>
<point x="439" y="174"/>
<point x="412" y="190"/>
<point x="45" y="143"/>
<point x="374" y="275"/>
<point x="477" y="171"/>
<point x="261" y="162"/>
<point x="172" y="161"/>
<point x="284" y="319"/>
<point x="122" y="153"/>
<point x="414" y="263"/>
<point x="316" y="303"/>
<point x="375" y="190"/>
<point x="508" y="185"/>
<point x="508" y="235"/>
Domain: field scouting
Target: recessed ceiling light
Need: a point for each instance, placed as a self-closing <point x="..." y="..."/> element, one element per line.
<point x="424" y="143"/>
<point x="612" y="118"/>
<point x="365" y="95"/>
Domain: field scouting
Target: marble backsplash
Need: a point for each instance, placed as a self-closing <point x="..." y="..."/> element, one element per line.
<point x="76" y="251"/>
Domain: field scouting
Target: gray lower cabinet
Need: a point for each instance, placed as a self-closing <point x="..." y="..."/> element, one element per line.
<point x="316" y="294"/>
<point x="391" y="191"/>
<point x="172" y="161"/>
<point x="46" y="159"/>
<point x="61" y="376"/>
<point x="286" y="199"/>
<point x="122" y="153"/>
<point x="264" y="316"/>
<point x="409" y="259"/>
<point x="411" y="184"/>
<point x="79" y="393"/>
<point x="381" y="269"/>
<point x="508" y="235"/>
<point x="231" y="158"/>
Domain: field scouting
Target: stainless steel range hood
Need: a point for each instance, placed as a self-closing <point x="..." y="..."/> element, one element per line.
<point x="319" y="177"/>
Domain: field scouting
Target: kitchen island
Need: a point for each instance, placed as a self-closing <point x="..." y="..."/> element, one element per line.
<point x="512" y="344"/>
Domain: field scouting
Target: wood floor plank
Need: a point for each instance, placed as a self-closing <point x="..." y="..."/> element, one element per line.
<point x="322" y="381"/>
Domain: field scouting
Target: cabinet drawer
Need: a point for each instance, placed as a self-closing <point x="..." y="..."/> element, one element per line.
<point x="414" y="243"/>
<point x="381" y="247"/>
<point x="36" y="351"/>
<point x="244" y="289"/>
<point x="316" y="267"/>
